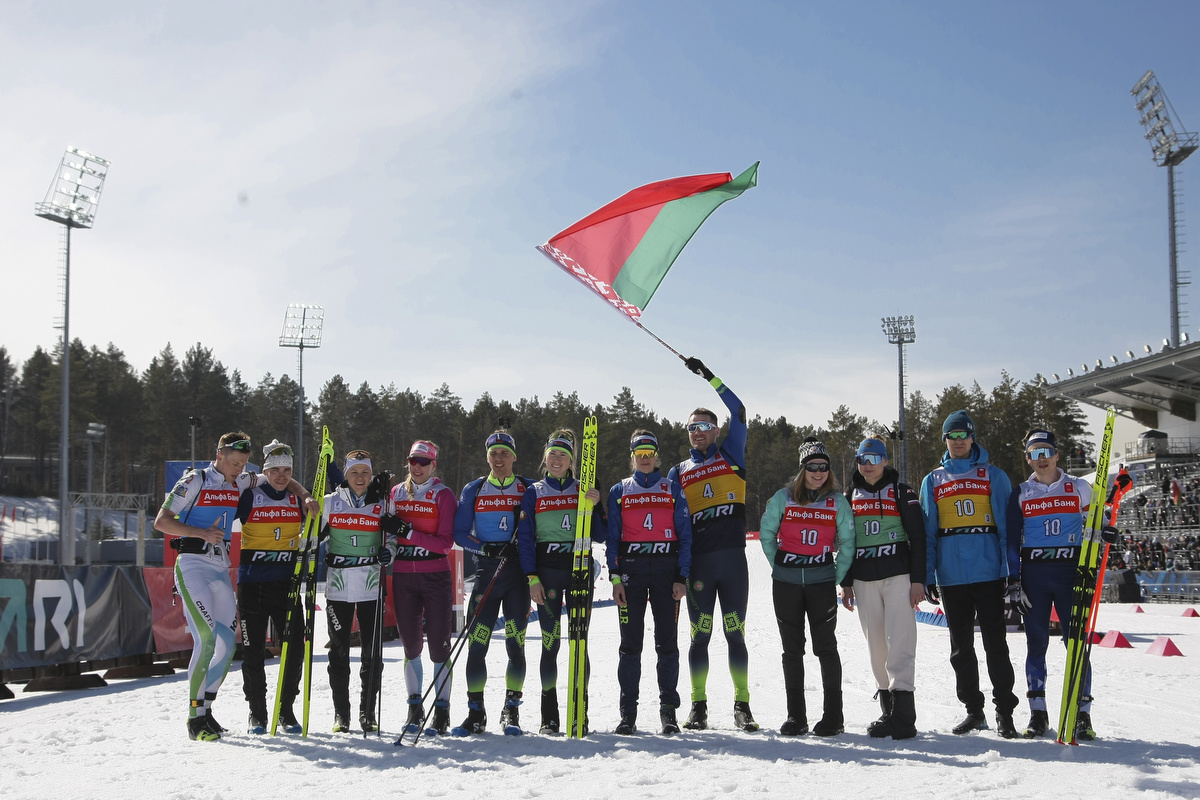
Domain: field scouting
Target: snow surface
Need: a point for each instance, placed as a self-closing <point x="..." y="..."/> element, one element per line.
<point x="129" y="738"/>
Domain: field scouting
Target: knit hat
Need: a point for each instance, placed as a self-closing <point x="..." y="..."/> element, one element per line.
<point x="501" y="439"/>
<point x="872" y="446"/>
<point x="562" y="443"/>
<point x="1038" y="436"/>
<point x="812" y="448"/>
<point x="276" y="454"/>
<point x="423" y="449"/>
<point x="958" y="421"/>
<point x="643" y="441"/>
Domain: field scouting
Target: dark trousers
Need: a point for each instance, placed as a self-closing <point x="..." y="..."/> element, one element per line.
<point x="720" y="575"/>
<point x="424" y="610"/>
<point x="818" y="604"/>
<point x="1048" y="586"/>
<point x="557" y="583"/>
<point x="962" y="604"/>
<point x="650" y="588"/>
<point x="339" y="616"/>
<point x="258" y="605"/>
<point x="510" y="592"/>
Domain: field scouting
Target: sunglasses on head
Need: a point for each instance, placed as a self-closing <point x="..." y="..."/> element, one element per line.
<point x="1041" y="452"/>
<point x="241" y="445"/>
<point x="420" y="461"/>
<point x="957" y="435"/>
<point x="358" y="455"/>
<point x="869" y="458"/>
<point x="283" y="449"/>
<point x="702" y="426"/>
<point x="816" y="466"/>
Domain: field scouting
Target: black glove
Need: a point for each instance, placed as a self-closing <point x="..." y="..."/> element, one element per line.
<point x="1015" y="594"/>
<point x="1110" y="534"/>
<point x="379" y="487"/>
<point x="500" y="549"/>
<point x="931" y="594"/>
<point x="394" y="526"/>
<point x="697" y="366"/>
<point x="385" y="556"/>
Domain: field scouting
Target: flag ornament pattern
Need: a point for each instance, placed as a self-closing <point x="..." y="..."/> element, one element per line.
<point x="622" y="251"/>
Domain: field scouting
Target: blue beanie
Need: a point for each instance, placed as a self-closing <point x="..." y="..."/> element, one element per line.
<point x="874" y="446"/>
<point x="958" y="421"/>
<point x="1038" y="435"/>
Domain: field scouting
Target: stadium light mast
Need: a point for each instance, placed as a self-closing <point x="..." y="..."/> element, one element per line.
<point x="302" y="328"/>
<point x="1171" y="147"/>
<point x="900" y="331"/>
<point x="71" y="201"/>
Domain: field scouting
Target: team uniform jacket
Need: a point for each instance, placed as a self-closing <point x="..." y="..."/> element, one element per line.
<point x="487" y="512"/>
<point x="353" y="528"/>
<point x="271" y="526"/>
<point x="810" y="543"/>
<point x="203" y="496"/>
<point x="889" y="530"/>
<point x="549" y="520"/>
<point x="715" y="483"/>
<point x="431" y="512"/>
<point x="1047" y="522"/>
<point x="965" y="503"/>
<point x="648" y="519"/>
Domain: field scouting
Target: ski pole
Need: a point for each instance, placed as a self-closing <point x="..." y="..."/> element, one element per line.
<point x="456" y="649"/>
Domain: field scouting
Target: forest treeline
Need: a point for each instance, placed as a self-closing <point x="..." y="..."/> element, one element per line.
<point x="146" y="414"/>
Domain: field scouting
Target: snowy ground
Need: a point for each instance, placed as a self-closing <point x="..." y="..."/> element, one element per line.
<point x="129" y="738"/>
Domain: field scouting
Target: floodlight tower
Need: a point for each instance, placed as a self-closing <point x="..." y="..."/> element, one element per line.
<point x="900" y="331"/>
<point x="1170" y="149"/>
<point x="71" y="201"/>
<point x="302" y="328"/>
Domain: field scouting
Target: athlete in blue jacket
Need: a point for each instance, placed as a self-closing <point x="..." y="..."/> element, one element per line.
<point x="964" y="503"/>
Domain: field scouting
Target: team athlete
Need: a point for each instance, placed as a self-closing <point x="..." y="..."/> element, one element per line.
<point x="714" y="482"/>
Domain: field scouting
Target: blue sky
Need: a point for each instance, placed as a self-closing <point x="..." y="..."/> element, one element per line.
<point x="979" y="166"/>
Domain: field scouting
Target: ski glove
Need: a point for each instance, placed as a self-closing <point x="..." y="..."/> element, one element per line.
<point x="1110" y="534"/>
<point x="385" y="556"/>
<point x="379" y="487"/>
<point x="394" y="526"/>
<point x="1018" y="598"/>
<point x="500" y="549"/>
<point x="697" y="366"/>
<point x="931" y="594"/>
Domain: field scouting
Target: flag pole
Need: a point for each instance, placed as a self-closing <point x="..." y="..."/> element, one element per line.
<point x="660" y="341"/>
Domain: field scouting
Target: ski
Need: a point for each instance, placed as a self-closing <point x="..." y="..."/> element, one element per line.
<point x="1082" y="619"/>
<point x="305" y="571"/>
<point x="579" y="600"/>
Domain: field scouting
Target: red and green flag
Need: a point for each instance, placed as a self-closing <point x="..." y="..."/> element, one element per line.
<point x="622" y="251"/>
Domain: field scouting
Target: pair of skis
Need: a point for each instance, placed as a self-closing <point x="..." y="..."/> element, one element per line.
<point x="305" y="574"/>
<point x="1084" y="601"/>
<point x="579" y="599"/>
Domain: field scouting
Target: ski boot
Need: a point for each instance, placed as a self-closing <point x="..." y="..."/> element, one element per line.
<point x="882" y="727"/>
<point x="698" y="718"/>
<point x="666" y="718"/>
<point x="202" y="729"/>
<point x="742" y="718"/>
<point x="440" y="724"/>
<point x="476" y="721"/>
<point x="550" y="719"/>
<point x="209" y="697"/>
<point x="1083" y="727"/>
<point x="510" y="715"/>
<point x="288" y="721"/>
<point x="416" y="714"/>
<point x="1039" y="723"/>
<point x="341" y="721"/>
<point x="367" y="721"/>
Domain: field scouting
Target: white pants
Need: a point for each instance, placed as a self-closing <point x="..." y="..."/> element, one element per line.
<point x="210" y="607"/>
<point x="890" y="625"/>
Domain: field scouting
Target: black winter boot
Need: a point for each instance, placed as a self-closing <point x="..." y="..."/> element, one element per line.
<point x="832" y="722"/>
<point x="628" y="724"/>
<point x="974" y="721"/>
<point x="666" y="717"/>
<point x="1039" y="723"/>
<point x="882" y="727"/>
<point x="742" y="718"/>
<point x="904" y="715"/>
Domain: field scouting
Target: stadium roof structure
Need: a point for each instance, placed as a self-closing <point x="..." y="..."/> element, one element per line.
<point x="1167" y="381"/>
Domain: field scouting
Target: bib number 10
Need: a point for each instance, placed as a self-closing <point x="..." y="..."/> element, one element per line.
<point x="965" y="508"/>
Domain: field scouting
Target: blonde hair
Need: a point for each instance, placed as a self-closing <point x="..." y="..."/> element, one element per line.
<point x="564" y="433"/>
<point x="409" y="485"/>
<point x="803" y="495"/>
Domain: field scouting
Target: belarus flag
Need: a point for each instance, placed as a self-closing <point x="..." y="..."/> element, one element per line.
<point x="623" y="251"/>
